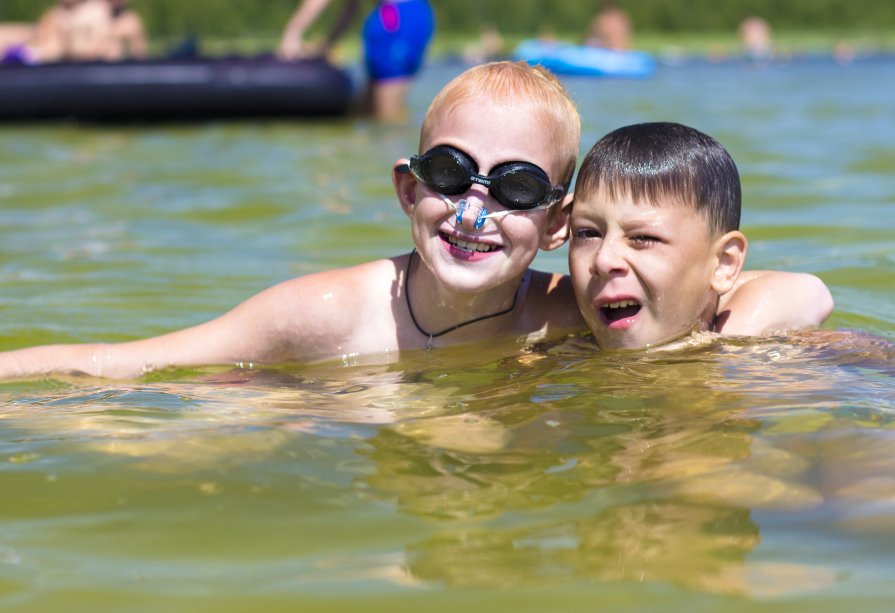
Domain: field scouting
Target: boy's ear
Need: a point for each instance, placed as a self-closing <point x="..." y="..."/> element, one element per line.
<point x="730" y="251"/>
<point x="557" y="231"/>
<point x="405" y="185"/>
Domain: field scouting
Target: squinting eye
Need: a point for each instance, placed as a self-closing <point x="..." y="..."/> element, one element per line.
<point x="645" y="240"/>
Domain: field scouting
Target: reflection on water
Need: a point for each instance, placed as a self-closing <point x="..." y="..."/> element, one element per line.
<point x="725" y="474"/>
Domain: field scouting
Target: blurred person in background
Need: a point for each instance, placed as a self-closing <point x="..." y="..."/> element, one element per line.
<point x="73" y="30"/>
<point x="77" y="31"/>
<point x="14" y="34"/>
<point x="488" y="48"/>
<point x="396" y="34"/>
<point x="128" y="33"/>
<point x="609" y="29"/>
<point x="755" y="37"/>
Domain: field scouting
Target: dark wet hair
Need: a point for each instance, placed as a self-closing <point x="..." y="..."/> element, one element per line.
<point x="653" y="162"/>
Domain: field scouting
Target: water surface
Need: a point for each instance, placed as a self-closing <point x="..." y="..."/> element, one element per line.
<point x="727" y="476"/>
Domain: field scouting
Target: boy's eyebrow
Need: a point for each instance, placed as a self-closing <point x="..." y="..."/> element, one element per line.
<point x="628" y="224"/>
<point x="648" y="217"/>
<point x="640" y="226"/>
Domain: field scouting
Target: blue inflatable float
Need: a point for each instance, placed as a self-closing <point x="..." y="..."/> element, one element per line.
<point x="578" y="60"/>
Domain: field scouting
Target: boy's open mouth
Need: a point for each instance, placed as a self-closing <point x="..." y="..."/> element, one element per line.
<point x="468" y="246"/>
<point x="616" y="311"/>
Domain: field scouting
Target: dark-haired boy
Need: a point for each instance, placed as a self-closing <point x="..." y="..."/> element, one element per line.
<point x="655" y="240"/>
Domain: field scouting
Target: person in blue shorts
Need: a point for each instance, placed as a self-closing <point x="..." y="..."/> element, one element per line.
<point x="396" y="34"/>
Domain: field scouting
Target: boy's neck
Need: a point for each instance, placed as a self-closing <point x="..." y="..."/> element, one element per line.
<point x="445" y="313"/>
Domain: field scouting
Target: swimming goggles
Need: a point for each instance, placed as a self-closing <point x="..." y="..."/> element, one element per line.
<point x="519" y="186"/>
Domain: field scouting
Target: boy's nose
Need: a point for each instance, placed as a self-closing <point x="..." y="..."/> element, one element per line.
<point x="470" y="214"/>
<point x="610" y="258"/>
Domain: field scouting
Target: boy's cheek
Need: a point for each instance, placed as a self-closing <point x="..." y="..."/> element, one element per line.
<point x="582" y="288"/>
<point x="579" y="269"/>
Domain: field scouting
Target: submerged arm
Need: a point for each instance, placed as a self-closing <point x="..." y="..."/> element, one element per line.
<point x="229" y="339"/>
<point x="764" y="302"/>
<point x="286" y="322"/>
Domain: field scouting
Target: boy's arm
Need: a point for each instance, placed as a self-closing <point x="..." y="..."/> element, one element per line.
<point x="281" y="323"/>
<point x="766" y="301"/>
<point x="137" y="41"/>
<point x="291" y="43"/>
<point x="230" y="338"/>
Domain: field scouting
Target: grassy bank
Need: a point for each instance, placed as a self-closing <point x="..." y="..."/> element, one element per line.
<point x="659" y="43"/>
<point x="707" y="44"/>
<point x="805" y="42"/>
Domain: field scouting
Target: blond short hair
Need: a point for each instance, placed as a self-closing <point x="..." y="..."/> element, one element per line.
<point x="520" y="84"/>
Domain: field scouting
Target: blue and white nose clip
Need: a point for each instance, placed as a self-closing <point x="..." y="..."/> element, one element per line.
<point x="463" y="206"/>
<point x="479" y="217"/>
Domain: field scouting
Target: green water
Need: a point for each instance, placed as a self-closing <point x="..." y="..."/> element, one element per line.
<point x="735" y="476"/>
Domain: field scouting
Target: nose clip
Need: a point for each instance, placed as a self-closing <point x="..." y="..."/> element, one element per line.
<point x="480" y="217"/>
<point x="461" y="208"/>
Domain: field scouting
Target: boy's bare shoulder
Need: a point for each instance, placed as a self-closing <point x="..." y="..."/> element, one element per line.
<point x="756" y="306"/>
<point x="347" y="278"/>
<point x="321" y="315"/>
<point x="339" y="288"/>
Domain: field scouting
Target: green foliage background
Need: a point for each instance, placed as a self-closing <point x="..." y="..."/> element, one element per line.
<point x="519" y="18"/>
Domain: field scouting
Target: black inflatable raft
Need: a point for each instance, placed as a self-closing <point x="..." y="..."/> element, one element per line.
<point x="172" y="90"/>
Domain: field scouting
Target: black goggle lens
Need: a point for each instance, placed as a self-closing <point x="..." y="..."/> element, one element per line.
<point x="445" y="173"/>
<point x="521" y="186"/>
<point x="516" y="185"/>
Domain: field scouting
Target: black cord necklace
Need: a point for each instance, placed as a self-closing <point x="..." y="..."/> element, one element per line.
<point x="432" y="335"/>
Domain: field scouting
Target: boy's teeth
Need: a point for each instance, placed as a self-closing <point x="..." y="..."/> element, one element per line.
<point x="470" y="246"/>
<point x="621" y="305"/>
